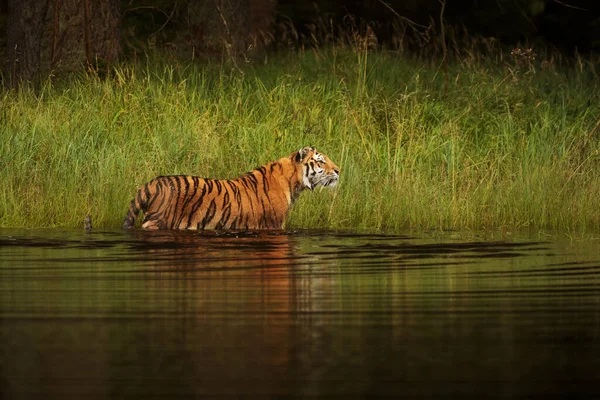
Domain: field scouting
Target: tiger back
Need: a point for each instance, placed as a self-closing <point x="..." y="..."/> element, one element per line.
<point x="260" y="199"/>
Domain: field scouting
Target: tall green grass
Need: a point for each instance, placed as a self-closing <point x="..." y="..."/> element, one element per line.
<point x="501" y="144"/>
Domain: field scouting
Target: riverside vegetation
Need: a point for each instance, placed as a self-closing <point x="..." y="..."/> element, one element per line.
<point x="503" y="142"/>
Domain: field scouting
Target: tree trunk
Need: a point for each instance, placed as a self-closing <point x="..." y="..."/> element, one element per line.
<point x="234" y="28"/>
<point x="59" y="36"/>
<point x="81" y="33"/>
<point x="25" y="29"/>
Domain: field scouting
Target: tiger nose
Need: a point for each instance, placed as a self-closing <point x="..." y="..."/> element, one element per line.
<point x="337" y="171"/>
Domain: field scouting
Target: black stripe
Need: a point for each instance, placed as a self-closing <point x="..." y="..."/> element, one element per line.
<point x="235" y="190"/>
<point x="264" y="215"/>
<point x="144" y="202"/>
<point x="225" y="214"/>
<point x="169" y="205"/>
<point x="187" y="186"/>
<point x="246" y="187"/>
<point x="209" y="183"/>
<point x="159" y="190"/>
<point x="266" y="184"/>
<point x="176" y="209"/>
<point x="138" y="199"/>
<point x="149" y="197"/>
<point x="197" y="204"/>
<point x="210" y="213"/>
<point x="153" y="216"/>
<point x="253" y="182"/>
<point x="187" y="199"/>
<point x="191" y="197"/>
<point x="226" y="198"/>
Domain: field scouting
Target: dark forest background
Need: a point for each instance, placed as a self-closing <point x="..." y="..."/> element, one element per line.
<point x="42" y="37"/>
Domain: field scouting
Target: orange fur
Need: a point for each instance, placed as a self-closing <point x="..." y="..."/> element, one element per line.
<point x="259" y="199"/>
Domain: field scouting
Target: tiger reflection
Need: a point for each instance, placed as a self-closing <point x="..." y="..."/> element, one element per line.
<point x="213" y="280"/>
<point x="173" y="251"/>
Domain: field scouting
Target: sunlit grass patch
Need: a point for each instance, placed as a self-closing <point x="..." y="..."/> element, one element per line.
<point x="497" y="147"/>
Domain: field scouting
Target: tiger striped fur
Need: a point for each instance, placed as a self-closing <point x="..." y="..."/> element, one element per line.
<point x="259" y="199"/>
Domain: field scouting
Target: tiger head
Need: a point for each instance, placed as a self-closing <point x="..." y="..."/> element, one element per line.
<point x="316" y="168"/>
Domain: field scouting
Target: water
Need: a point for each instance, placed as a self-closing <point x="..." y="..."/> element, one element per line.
<point x="176" y="315"/>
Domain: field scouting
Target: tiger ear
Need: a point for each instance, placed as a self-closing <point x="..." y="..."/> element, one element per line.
<point x="302" y="153"/>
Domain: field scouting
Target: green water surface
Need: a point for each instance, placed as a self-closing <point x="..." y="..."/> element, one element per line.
<point x="297" y="314"/>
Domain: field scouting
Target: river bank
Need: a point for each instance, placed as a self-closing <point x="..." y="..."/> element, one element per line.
<point x="510" y="142"/>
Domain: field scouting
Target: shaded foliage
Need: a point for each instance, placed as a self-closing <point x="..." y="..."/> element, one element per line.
<point x="52" y="36"/>
<point x="237" y="30"/>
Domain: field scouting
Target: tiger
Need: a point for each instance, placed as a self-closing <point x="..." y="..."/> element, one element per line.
<point x="258" y="200"/>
